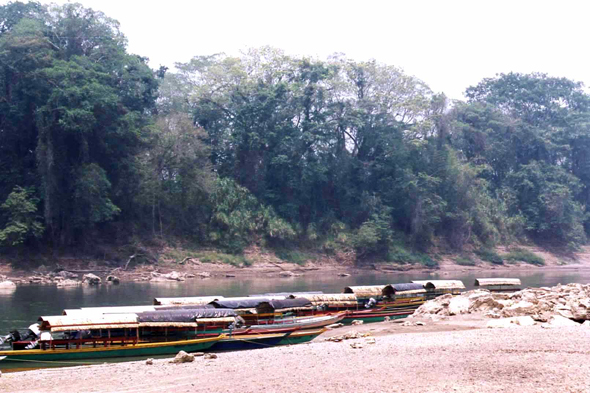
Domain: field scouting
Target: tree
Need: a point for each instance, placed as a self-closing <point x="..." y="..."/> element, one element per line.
<point x="75" y="109"/>
<point x="23" y="222"/>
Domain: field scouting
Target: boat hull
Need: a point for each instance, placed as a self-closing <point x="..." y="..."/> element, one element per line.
<point x="375" y="316"/>
<point x="301" y="336"/>
<point x="249" y="341"/>
<point x="139" y="350"/>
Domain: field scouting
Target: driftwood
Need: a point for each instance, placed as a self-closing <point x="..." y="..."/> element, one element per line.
<point x="129" y="261"/>
<point x="132" y="257"/>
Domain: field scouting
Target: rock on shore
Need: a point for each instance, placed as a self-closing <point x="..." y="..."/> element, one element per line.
<point x="7" y="284"/>
<point x="571" y="301"/>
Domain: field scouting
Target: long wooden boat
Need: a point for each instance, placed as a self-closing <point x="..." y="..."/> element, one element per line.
<point x="296" y="323"/>
<point x="375" y="315"/>
<point x="301" y="336"/>
<point x="249" y="341"/>
<point x="96" y="352"/>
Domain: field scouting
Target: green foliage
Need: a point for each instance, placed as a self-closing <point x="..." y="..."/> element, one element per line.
<point x="400" y="254"/>
<point x="92" y="204"/>
<point x="293" y="256"/>
<point x="238" y="218"/>
<point x="489" y="255"/>
<point x="465" y="260"/>
<point x="179" y="255"/>
<point x="522" y="255"/>
<point x="374" y="235"/>
<point x="23" y="222"/>
<point x="278" y="150"/>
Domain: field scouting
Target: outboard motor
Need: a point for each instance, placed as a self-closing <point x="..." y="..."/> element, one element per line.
<point x="371" y="303"/>
<point x="10" y="337"/>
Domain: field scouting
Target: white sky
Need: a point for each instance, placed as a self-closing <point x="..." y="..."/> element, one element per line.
<point x="449" y="44"/>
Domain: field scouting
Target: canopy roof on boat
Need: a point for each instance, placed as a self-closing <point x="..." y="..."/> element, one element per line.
<point x="277" y="295"/>
<point x="331" y="299"/>
<point x="441" y="284"/>
<point x="185" y="307"/>
<point x="186" y="315"/>
<point x="406" y="288"/>
<point x="284" y="305"/>
<point x="171" y="301"/>
<point x="110" y="310"/>
<point x="60" y="323"/>
<point x="486" y="282"/>
<point x="365" y="291"/>
<point x="242" y="302"/>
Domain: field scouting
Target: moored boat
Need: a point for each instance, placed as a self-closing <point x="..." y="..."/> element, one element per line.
<point x="249" y="341"/>
<point x="499" y="284"/>
<point x="56" y="351"/>
<point x="301" y="336"/>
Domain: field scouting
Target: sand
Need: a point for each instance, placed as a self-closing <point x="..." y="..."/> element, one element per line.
<point x="455" y="355"/>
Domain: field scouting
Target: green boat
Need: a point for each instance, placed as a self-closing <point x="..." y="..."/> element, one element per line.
<point x="301" y="336"/>
<point x="114" y="351"/>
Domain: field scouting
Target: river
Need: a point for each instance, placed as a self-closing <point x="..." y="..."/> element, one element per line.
<point x="21" y="307"/>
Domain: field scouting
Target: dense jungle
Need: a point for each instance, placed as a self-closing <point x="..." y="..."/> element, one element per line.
<point x="103" y="156"/>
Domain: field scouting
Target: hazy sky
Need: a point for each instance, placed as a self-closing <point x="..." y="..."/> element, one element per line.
<point x="448" y="44"/>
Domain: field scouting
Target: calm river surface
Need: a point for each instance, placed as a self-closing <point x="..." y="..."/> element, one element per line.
<point x="22" y="307"/>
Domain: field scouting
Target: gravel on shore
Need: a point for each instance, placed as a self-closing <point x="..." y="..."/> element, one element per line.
<point x="449" y="358"/>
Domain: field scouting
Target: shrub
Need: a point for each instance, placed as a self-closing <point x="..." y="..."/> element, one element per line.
<point x="401" y="255"/>
<point x="209" y="257"/>
<point x="519" y="254"/>
<point x="490" y="256"/>
<point x="465" y="260"/>
<point x="293" y="256"/>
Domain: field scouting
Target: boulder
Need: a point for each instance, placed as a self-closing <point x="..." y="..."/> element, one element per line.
<point x="419" y="323"/>
<point x="287" y="273"/>
<point x="356" y="322"/>
<point x="91" y="279"/>
<point x="459" y="305"/>
<point x="113" y="280"/>
<point x="438" y="305"/>
<point x="149" y="361"/>
<point x="580" y="308"/>
<point x="183" y="357"/>
<point x="189" y="275"/>
<point x="204" y="274"/>
<point x="173" y="276"/>
<point x="66" y="274"/>
<point x="210" y="356"/>
<point x="68" y="283"/>
<point x="7" y="284"/>
<point x="565" y="311"/>
<point x="557" y="321"/>
<point x="518" y="309"/>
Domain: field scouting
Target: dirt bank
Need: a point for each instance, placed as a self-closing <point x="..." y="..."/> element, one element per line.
<point x="446" y="356"/>
<point x="267" y="264"/>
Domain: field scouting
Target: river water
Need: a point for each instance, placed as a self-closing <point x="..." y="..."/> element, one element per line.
<point x="21" y="307"/>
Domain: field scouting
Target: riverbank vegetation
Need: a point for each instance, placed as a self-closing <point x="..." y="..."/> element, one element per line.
<point x="294" y="154"/>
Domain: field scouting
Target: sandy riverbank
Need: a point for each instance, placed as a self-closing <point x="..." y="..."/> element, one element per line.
<point x="456" y="355"/>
